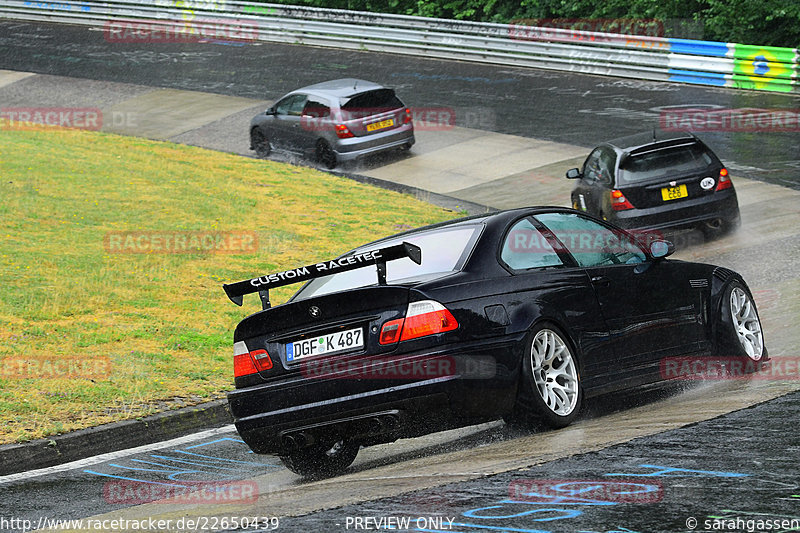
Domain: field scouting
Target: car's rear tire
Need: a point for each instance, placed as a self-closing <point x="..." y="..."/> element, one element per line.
<point x="260" y="143"/>
<point x="322" y="460"/>
<point x="325" y="154"/>
<point x="550" y="391"/>
<point x="740" y="332"/>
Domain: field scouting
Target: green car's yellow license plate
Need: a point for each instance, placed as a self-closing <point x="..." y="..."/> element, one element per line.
<point x="673" y="193"/>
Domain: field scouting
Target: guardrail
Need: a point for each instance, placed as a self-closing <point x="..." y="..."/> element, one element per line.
<point x="630" y="56"/>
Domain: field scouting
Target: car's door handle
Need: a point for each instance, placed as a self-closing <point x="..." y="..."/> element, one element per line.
<point x="601" y="281"/>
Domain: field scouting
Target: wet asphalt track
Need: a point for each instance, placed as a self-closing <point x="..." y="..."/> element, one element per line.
<point x="706" y="475"/>
<point x="747" y="459"/>
<point x="740" y="465"/>
<point x="570" y="108"/>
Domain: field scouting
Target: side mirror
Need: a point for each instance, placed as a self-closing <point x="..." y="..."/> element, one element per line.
<point x="270" y="111"/>
<point x="573" y="174"/>
<point x="661" y="249"/>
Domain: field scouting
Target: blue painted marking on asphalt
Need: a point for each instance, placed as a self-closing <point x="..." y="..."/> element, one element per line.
<point x="173" y="472"/>
<point x="214" y="442"/>
<point x="559" y="500"/>
<point x="218" y="468"/>
<point x="666" y="470"/>
<point x="496" y="528"/>
<point x="567" y="513"/>
<point x="229" y="460"/>
<point x="182" y="462"/>
<point x="134" y="479"/>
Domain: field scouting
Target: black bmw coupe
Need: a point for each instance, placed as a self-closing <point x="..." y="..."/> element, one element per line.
<point x="521" y="314"/>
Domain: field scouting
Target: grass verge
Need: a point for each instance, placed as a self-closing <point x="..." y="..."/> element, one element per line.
<point x="87" y="281"/>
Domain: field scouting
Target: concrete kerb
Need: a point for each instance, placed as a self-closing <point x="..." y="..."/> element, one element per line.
<point x="75" y="445"/>
<point x="441" y="200"/>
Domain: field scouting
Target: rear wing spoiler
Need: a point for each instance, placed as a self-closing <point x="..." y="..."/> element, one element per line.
<point x="379" y="258"/>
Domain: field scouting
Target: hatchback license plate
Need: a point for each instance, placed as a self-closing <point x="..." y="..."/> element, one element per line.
<point x="673" y="193"/>
<point x="341" y="341"/>
<point x="380" y="125"/>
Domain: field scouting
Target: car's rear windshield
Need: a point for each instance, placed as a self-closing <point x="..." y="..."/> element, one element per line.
<point x="664" y="163"/>
<point x="371" y="103"/>
<point x="444" y="251"/>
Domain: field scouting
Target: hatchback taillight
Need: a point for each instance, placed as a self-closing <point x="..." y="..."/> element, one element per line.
<point x="424" y="318"/>
<point x="407" y="117"/>
<point x="619" y="202"/>
<point x="343" y="132"/>
<point x="724" y="181"/>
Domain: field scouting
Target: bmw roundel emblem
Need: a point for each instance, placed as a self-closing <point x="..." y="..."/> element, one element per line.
<point x="314" y="311"/>
<point x="707" y="183"/>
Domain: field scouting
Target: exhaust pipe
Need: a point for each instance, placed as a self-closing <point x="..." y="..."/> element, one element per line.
<point x="295" y="441"/>
<point x="289" y="442"/>
<point x="392" y="421"/>
<point x="376" y="425"/>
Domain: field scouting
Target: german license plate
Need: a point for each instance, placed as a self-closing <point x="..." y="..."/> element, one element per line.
<point x="380" y="125"/>
<point x="673" y="193"/>
<point x="341" y="341"/>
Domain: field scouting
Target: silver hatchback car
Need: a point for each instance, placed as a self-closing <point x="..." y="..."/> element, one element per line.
<point x="334" y="122"/>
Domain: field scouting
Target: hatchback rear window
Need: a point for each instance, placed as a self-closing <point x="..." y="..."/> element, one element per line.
<point x="371" y="103"/>
<point x="443" y="251"/>
<point x="663" y="163"/>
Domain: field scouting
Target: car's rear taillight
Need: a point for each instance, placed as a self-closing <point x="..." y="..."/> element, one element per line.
<point x="343" y="132"/>
<point x="407" y="117"/>
<point x="424" y="318"/>
<point x="390" y="332"/>
<point x="246" y="362"/>
<point x="619" y="202"/>
<point x="724" y="181"/>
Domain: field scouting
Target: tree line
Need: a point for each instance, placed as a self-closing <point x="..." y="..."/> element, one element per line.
<point x="763" y="22"/>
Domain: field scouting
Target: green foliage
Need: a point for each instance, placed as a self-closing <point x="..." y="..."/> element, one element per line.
<point x="766" y="22"/>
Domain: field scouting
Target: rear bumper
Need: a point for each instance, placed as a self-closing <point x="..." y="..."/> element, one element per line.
<point x="298" y="411"/>
<point x="690" y="214"/>
<point x="359" y="147"/>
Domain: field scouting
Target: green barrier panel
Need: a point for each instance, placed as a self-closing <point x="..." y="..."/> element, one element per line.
<point x="765" y="68"/>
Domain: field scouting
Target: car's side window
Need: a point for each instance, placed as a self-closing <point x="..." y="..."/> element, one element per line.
<point x="590" y="243"/>
<point x="291" y="105"/>
<point x="316" y="108"/>
<point x="526" y="247"/>
<point x="599" y="166"/>
<point x="591" y="168"/>
<point x="606" y="165"/>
